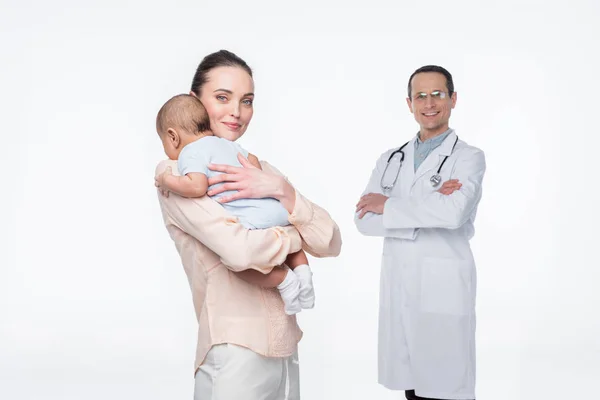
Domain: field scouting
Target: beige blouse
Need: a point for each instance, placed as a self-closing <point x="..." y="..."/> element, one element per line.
<point x="212" y="245"/>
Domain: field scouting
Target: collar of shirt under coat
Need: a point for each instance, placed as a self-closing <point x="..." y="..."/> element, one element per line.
<point x="424" y="148"/>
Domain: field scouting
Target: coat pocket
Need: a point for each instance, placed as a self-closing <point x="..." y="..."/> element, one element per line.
<point x="447" y="286"/>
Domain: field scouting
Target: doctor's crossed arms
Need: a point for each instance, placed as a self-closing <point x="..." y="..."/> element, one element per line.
<point x="374" y="202"/>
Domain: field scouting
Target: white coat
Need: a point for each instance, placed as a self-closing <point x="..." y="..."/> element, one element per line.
<point x="428" y="277"/>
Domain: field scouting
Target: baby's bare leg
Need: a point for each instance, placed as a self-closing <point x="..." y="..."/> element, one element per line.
<point x="295" y="259"/>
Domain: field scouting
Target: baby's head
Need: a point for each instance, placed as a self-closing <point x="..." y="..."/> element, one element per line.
<point x="180" y="121"/>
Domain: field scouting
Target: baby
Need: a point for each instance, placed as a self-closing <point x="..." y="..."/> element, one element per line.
<point x="184" y="128"/>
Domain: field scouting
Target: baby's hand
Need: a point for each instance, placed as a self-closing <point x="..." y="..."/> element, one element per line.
<point x="159" y="182"/>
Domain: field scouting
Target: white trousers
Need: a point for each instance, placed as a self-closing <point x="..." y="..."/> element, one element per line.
<point x="232" y="372"/>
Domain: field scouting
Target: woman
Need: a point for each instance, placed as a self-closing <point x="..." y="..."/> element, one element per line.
<point x="247" y="345"/>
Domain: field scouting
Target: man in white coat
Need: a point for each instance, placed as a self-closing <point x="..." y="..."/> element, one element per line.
<point x="428" y="277"/>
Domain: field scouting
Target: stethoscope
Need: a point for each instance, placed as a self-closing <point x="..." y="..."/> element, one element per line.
<point x="435" y="179"/>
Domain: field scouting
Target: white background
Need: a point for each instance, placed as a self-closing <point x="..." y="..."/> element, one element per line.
<point x="94" y="303"/>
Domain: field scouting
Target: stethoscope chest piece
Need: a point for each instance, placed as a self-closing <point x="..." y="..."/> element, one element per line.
<point x="435" y="180"/>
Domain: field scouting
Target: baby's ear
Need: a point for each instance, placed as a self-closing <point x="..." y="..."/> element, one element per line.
<point x="173" y="136"/>
<point x="193" y="94"/>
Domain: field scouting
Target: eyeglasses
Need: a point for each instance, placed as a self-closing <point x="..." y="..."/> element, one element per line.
<point x="435" y="95"/>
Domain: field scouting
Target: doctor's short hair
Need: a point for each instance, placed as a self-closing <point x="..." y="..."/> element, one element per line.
<point x="433" y="68"/>
<point x="185" y="112"/>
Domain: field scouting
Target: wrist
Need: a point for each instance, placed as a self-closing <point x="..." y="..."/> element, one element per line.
<point x="286" y="194"/>
<point x="169" y="181"/>
<point x="280" y="191"/>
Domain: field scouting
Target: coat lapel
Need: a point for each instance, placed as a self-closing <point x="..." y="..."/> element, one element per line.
<point x="407" y="172"/>
<point x="434" y="159"/>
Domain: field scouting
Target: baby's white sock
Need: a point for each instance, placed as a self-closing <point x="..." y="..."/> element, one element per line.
<point x="289" y="290"/>
<point x="307" y="291"/>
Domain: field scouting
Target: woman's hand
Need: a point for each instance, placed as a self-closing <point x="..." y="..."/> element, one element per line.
<point x="250" y="183"/>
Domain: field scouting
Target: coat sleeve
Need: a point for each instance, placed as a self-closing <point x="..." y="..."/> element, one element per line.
<point x="437" y="210"/>
<point x="371" y="224"/>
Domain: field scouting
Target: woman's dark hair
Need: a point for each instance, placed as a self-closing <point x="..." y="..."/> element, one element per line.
<point x="433" y="68"/>
<point x="221" y="58"/>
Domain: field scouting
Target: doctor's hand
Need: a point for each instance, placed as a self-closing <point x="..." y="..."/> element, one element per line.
<point x="372" y="202"/>
<point x="450" y="187"/>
